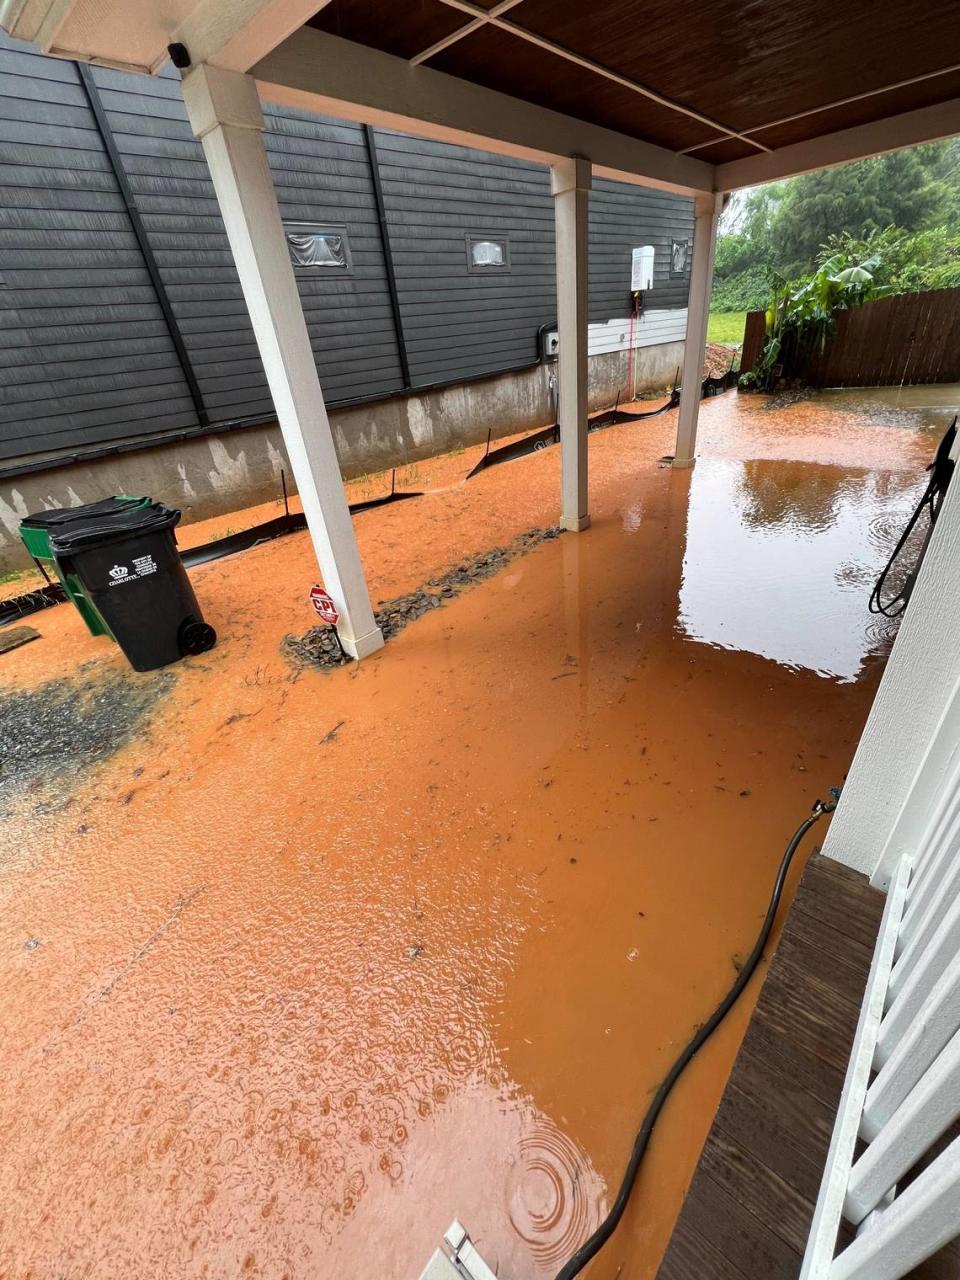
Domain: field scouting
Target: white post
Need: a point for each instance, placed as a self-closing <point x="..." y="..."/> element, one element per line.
<point x="570" y="182"/>
<point x="707" y="211"/>
<point x="904" y="755"/>
<point x="225" y="114"/>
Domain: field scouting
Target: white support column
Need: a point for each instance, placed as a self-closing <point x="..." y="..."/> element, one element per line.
<point x="570" y="182"/>
<point x="224" y="111"/>
<point x="708" y="210"/>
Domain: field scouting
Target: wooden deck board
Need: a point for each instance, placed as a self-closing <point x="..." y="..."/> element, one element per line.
<point x="750" y="1203"/>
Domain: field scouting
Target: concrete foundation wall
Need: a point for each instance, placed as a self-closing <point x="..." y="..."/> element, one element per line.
<point x="214" y="474"/>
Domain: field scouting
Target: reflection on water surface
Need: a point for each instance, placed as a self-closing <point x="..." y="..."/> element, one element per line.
<point x="781" y="557"/>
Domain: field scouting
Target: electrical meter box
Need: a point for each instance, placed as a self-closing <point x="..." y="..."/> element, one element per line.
<point x="641" y="268"/>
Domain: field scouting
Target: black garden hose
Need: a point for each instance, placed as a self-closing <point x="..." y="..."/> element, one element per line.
<point x="941" y="469"/>
<point x="592" y="1247"/>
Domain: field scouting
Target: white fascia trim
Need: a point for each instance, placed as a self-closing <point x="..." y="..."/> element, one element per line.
<point x="35" y="20"/>
<point x="926" y="124"/>
<point x="235" y="35"/>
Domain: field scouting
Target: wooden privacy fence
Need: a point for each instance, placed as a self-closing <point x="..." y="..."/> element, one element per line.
<point x="910" y="338"/>
<point x="754" y="332"/>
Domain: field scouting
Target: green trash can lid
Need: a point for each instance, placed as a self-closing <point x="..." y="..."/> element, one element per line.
<point x="60" y="516"/>
<point x="98" y="530"/>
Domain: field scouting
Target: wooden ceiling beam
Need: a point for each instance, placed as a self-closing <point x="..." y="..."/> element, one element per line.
<point x="481" y="20"/>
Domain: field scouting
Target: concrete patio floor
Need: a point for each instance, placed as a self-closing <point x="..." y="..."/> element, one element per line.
<point x="299" y="966"/>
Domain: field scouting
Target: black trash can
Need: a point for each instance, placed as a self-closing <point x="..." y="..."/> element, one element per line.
<point x="35" y="531"/>
<point x="131" y="571"/>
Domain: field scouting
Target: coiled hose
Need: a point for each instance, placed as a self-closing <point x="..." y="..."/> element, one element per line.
<point x="592" y="1247"/>
<point x="941" y="469"/>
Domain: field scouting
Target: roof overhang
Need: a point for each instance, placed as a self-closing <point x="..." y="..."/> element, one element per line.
<point x="663" y="92"/>
<point x="324" y="73"/>
<point x="134" y="35"/>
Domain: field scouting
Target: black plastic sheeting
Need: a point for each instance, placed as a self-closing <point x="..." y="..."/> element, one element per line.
<point x="290" y="522"/>
<point x="547" y="436"/>
<point x="612" y="416"/>
<point x="717" y="386"/>
<point x="533" y="443"/>
<point x="31" y="602"/>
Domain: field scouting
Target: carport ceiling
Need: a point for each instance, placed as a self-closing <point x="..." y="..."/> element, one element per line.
<point x="722" y="81"/>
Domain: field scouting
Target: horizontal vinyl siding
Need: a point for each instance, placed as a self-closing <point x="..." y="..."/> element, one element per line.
<point x="459" y="323"/>
<point x="321" y="175"/>
<point x="621" y="219"/>
<point x="650" y="329"/>
<point x="85" y="355"/>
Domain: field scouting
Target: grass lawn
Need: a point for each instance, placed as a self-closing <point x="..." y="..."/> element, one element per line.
<point x="726" y="326"/>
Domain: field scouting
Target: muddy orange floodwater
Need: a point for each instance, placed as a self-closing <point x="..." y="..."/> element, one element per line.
<point x="296" y="967"/>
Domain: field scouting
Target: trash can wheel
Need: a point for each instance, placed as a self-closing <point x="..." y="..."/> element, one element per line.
<point x="196" y="637"/>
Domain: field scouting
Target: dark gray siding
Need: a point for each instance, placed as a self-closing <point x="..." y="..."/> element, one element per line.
<point x="621" y="219"/>
<point x="321" y="174"/>
<point x="172" y="188"/>
<point x="458" y="323"/>
<point x="85" y="355"/>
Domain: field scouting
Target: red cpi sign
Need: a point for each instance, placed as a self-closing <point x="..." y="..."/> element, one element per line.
<point x="324" y="605"/>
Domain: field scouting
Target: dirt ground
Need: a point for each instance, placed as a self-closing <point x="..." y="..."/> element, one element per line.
<point x="298" y="966"/>
<point x="718" y="359"/>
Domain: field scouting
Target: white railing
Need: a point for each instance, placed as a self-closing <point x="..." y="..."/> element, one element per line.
<point x="902" y="1090"/>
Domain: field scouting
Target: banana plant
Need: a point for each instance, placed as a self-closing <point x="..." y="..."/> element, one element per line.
<point x="802" y="313"/>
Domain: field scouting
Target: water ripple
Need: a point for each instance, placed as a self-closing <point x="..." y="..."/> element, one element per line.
<point x="554" y="1199"/>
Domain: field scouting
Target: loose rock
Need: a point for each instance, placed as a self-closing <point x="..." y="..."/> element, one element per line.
<point x="318" y="646"/>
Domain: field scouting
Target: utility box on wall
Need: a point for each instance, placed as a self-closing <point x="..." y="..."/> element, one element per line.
<point x="641" y="268"/>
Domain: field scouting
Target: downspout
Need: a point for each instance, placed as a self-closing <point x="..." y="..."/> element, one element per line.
<point x="102" y="122"/>
<point x="373" y="160"/>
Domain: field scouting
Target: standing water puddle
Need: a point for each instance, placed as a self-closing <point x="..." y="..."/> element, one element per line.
<point x="310" y="965"/>
<point x="927" y="409"/>
<point x="781" y="557"/>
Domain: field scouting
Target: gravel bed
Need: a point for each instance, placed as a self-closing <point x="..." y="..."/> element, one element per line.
<point x="318" y="646"/>
<point x="48" y="733"/>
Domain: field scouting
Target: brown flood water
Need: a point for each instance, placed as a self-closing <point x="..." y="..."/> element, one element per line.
<point x="304" y="966"/>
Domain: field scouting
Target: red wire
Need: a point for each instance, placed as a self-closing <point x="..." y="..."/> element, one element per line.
<point x="633" y="320"/>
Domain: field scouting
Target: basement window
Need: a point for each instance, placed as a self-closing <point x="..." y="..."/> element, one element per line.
<point x="488" y="254"/>
<point x="679" y="256"/>
<point x="318" y="247"/>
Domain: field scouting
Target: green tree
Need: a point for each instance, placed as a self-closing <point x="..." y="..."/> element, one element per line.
<point x="906" y="206"/>
<point x="907" y="263"/>
<point x="745" y="237"/>
<point x="902" y="189"/>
